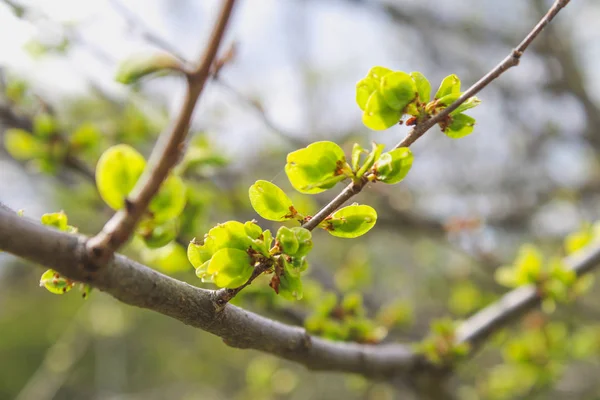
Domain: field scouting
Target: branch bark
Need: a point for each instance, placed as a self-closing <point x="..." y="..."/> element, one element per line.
<point x="138" y="285"/>
<point x="165" y="155"/>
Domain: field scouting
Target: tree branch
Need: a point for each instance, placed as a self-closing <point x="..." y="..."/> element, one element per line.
<point x="510" y="61"/>
<point x="138" y="285"/>
<point x="165" y="155"/>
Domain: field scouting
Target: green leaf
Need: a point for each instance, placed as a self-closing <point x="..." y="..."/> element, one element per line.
<point x="393" y="166"/>
<point x="305" y="243"/>
<point x="287" y="241"/>
<point x="230" y="268"/>
<point x="423" y="86"/>
<point x="231" y="234"/>
<point x="375" y="153"/>
<point x="460" y="126"/>
<point x="44" y="125"/>
<point x="316" y="168"/>
<point x="138" y="66"/>
<point x="398" y="89"/>
<point x="450" y="84"/>
<point x="528" y="265"/>
<point x="55" y="283"/>
<point x="467" y="105"/>
<point x="270" y="202"/>
<point x="448" y="99"/>
<point x="351" y="221"/>
<point x="378" y="115"/>
<point x="21" y="145"/>
<point x="378" y="72"/>
<point x="57" y="220"/>
<point x="156" y="236"/>
<point x="357" y="152"/>
<point x="290" y="286"/>
<point x="506" y="276"/>
<point x="117" y="171"/>
<point x="86" y="137"/>
<point x="364" y="88"/>
<point x="198" y="254"/>
<point x="170" y="200"/>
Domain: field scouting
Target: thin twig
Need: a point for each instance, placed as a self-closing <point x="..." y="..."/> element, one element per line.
<point x="510" y="61"/>
<point x="167" y="152"/>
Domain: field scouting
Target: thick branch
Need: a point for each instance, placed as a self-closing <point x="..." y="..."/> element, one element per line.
<point x="135" y="284"/>
<point x="165" y="155"/>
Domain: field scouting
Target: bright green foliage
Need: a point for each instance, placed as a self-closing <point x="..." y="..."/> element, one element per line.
<point x="351" y="221"/>
<point x="55" y="283"/>
<point x="44" y="125"/>
<point x="317" y="167"/>
<point x="385" y="96"/>
<point x="440" y="347"/>
<point x="526" y="269"/>
<point x="554" y="279"/>
<point x="460" y="126"/>
<point x="378" y="114"/>
<point x="375" y="153"/>
<point x="423" y="86"/>
<point x="52" y="280"/>
<point x="138" y="66"/>
<point x="270" y="202"/>
<point x="117" y="171"/>
<point x="344" y="320"/>
<point x="57" y="220"/>
<point x="449" y="85"/>
<point x="229" y="267"/>
<point x="85" y="137"/>
<point x="398" y="89"/>
<point x="290" y="285"/>
<point x="579" y="240"/>
<point x="21" y="145"/>
<point x="169" y="201"/>
<point x="393" y="166"/>
<point x="155" y="236"/>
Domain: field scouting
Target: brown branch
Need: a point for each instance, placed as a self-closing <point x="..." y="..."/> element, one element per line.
<point x="510" y="61"/>
<point x="167" y="152"/>
<point x="138" y="285"/>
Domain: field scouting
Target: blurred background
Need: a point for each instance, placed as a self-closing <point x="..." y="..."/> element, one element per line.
<point x="529" y="174"/>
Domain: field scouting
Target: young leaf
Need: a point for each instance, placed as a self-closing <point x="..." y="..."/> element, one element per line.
<point x="270" y="202"/>
<point x="398" y="89"/>
<point x="290" y="286"/>
<point x="85" y="137"/>
<point x="450" y="84"/>
<point x="288" y="242"/>
<point x="57" y="220"/>
<point x="138" y="66"/>
<point x="460" y="126"/>
<point x="351" y="221"/>
<point x="378" y="72"/>
<point x="305" y="242"/>
<point x="378" y="115"/>
<point x="364" y="88"/>
<point x="117" y="171"/>
<point x="170" y="200"/>
<point x="55" y="283"/>
<point x="44" y="125"/>
<point x="423" y="86"/>
<point x="21" y="145"/>
<point x="156" y="236"/>
<point x="316" y="168"/>
<point x="375" y="153"/>
<point x="468" y="104"/>
<point x="230" y="268"/>
<point x="357" y="152"/>
<point x="393" y="166"/>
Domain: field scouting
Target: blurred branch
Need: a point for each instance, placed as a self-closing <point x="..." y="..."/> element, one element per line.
<point x="10" y="119"/>
<point x="165" y="155"/>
